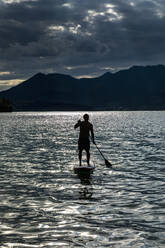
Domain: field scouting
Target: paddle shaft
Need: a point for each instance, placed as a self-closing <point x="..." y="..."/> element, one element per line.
<point x="99" y="151"/>
<point x="107" y="163"/>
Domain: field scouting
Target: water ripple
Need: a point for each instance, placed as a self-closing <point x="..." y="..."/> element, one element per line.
<point x="44" y="204"/>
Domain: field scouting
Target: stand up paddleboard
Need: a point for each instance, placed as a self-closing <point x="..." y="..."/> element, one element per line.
<point x="84" y="170"/>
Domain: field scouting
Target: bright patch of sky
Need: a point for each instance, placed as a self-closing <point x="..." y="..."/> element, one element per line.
<point x="75" y="29"/>
<point x="4" y="73"/>
<point x="108" y="12"/>
<point x="68" y="5"/>
<point x="56" y="28"/>
<point x="6" y="84"/>
<point x="113" y="14"/>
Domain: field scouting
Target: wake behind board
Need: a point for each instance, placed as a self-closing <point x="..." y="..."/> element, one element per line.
<point x="84" y="170"/>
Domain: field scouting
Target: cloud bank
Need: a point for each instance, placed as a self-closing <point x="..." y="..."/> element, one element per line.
<point x="80" y="38"/>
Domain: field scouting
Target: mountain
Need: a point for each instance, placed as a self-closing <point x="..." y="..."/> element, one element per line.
<point x="137" y="88"/>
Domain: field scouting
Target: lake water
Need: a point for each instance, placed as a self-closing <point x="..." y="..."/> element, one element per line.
<point x="44" y="204"/>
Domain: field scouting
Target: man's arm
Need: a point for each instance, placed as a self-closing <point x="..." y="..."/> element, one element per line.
<point x="92" y="134"/>
<point x="77" y="124"/>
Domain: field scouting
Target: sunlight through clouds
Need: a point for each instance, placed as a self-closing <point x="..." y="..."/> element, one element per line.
<point x="110" y="9"/>
<point x="12" y="82"/>
<point x="6" y="84"/>
<point x="92" y="15"/>
<point x="68" y="5"/>
<point x="132" y="3"/>
<point x="75" y="29"/>
<point x="160" y="11"/>
<point x="56" y="28"/>
<point x="108" y="13"/>
<point x="4" y="73"/>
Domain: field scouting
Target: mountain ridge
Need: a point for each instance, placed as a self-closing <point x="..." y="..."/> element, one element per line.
<point x="136" y="88"/>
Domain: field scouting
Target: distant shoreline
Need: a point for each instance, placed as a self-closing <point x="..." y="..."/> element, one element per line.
<point x="81" y="110"/>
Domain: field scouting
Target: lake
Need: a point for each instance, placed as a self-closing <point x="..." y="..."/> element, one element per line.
<point x="44" y="204"/>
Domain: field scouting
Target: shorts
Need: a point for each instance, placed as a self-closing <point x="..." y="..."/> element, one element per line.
<point x="84" y="144"/>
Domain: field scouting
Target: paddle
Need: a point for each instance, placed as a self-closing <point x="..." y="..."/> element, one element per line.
<point x="107" y="163"/>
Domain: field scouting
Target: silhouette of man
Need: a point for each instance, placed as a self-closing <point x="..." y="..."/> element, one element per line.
<point x="83" y="143"/>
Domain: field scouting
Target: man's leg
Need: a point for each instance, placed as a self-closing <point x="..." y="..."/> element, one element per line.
<point x="80" y="156"/>
<point x="88" y="157"/>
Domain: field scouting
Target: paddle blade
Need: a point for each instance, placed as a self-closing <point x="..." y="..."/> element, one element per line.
<point x="107" y="163"/>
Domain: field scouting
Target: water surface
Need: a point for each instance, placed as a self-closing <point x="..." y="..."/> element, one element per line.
<point x="44" y="204"/>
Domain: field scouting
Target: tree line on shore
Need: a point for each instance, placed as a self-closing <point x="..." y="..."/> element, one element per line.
<point x="5" y="105"/>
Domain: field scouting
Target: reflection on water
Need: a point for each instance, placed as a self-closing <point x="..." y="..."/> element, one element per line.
<point x="86" y="191"/>
<point x="44" y="204"/>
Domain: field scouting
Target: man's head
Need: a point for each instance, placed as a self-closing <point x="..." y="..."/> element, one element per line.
<point x="86" y="117"/>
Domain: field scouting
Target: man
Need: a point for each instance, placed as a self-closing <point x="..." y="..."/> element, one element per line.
<point x="83" y="143"/>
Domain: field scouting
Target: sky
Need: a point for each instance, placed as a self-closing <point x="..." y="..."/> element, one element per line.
<point x="81" y="38"/>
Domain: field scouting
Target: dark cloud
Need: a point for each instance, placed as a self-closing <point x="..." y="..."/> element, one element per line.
<point x="79" y="37"/>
